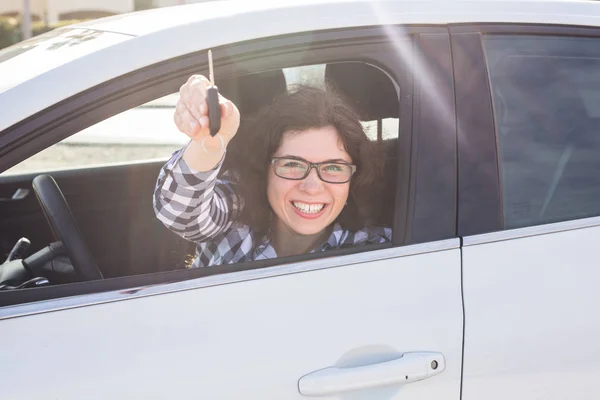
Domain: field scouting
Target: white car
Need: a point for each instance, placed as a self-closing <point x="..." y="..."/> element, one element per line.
<point x="490" y="115"/>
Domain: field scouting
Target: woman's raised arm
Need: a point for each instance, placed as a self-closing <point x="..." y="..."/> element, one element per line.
<point x="188" y="198"/>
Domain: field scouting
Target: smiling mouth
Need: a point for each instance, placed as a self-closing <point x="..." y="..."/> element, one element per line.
<point x="308" y="208"/>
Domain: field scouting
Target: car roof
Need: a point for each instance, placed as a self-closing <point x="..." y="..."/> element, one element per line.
<point x="287" y="14"/>
<point x="151" y="36"/>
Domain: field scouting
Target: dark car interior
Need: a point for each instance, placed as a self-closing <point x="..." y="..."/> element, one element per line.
<point x="91" y="223"/>
<point x="548" y="150"/>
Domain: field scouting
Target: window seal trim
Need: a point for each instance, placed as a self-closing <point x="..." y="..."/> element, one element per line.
<point x="529" y="231"/>
<point x="511" y="28"/>
<point x="318" y="264"/>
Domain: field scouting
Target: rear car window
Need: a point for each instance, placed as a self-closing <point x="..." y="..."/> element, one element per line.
<point x="546" y="96"/>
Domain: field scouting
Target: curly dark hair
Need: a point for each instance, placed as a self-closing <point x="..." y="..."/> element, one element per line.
<point x="302" y="108"/>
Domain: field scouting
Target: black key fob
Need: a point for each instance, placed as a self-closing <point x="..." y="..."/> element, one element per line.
<point x="214" y="110"/>
<point x="212" y="99"/>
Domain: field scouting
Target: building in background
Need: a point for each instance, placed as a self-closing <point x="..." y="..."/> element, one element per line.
<point x="52" y="11"/>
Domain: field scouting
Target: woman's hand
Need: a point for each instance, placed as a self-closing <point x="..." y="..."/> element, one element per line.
<point x="191" y="118"/>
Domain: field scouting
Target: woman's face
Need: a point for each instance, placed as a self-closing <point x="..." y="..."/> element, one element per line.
<point x="308" y="206"/>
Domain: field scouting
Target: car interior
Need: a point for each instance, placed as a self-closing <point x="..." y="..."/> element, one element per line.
<point x="90" y="223"/>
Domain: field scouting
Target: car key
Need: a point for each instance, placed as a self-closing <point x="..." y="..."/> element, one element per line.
<point x="212" y="99"/>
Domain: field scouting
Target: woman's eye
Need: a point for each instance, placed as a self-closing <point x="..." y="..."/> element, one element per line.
<point x="293" y="164"/>
<point x="334" y="168"/>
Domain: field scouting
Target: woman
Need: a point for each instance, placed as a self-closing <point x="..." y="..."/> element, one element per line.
<point x="302" y="177"/>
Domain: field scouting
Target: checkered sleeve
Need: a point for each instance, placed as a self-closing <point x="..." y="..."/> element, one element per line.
<point x="195" y="205"/>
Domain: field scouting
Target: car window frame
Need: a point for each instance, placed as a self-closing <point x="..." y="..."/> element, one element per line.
<point x="85" y="109"/>
<point x="480" y="198"/>
<point x="433" y="205"/>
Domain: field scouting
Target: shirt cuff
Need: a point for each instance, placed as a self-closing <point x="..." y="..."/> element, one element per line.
<point x="188" y="177"/>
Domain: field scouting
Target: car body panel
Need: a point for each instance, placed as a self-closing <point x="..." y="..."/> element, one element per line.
<point x="34" y="57"/>
<point x="251" y="334"/>
<point x="529" y="294"/>
<point x="292" y="13"/>
<point x="530" y="326"/>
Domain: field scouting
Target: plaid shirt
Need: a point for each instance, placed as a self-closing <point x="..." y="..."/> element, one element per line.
<point x="203" y="209"/>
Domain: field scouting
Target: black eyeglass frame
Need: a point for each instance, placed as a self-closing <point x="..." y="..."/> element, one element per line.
<point x="310" y="167"/>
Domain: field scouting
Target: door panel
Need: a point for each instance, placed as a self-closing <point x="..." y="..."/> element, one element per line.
<point x="531" y="317"/>
<point x="530" y="294"/>
<point x="113" y="207"/>
<point x="251" y="334"/>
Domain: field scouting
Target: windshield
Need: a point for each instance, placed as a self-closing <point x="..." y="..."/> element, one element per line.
<point x="42" y="53"/>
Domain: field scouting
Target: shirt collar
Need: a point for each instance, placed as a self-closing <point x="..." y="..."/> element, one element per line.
<point x="335" y="239"/>
<point x="265" y="249"/>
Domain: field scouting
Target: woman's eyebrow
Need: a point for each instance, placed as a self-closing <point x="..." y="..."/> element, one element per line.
<point x="331" y="160"/>
<point x="337" y="160"/>
<point x="292" y="157"/>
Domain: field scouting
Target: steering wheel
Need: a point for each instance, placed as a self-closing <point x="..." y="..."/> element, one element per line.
<point x="64" y="227"/>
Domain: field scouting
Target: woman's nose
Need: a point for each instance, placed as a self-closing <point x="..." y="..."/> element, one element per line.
<point x="312" y="183"/>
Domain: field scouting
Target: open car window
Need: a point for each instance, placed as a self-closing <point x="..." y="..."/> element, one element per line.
<point x="147" y="132"/>
<point x="110" y="194"/>
<point x="116" y="217"/>
<point x="142" y="133"/>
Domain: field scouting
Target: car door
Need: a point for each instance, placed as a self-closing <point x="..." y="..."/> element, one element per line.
<point x="528" y="209"/>
<point x="382" y="322"/>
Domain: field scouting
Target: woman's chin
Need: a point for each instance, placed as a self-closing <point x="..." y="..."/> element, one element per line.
<point x="308" y="228"/>
<point x="310" y="231"/>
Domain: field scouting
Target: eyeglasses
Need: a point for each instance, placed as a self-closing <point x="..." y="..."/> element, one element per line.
<point x="297" y="169"/>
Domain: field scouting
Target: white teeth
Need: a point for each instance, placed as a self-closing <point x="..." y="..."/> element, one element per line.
<point x="308" y="208"/>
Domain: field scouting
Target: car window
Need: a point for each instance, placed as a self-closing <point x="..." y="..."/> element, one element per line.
<point x="314" y="75"/>
<point x="545" y="95"/>
<point x="142" y="133"/>
<point x="147" y="132"/>
<point x="110" y="193"/>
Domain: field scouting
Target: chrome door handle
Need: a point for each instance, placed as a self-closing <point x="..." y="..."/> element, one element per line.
<point x="19" y="194"/>
<point x="411" y="367"/>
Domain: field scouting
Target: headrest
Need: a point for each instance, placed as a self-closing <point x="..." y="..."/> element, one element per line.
<point x="251" y="92"/>
<point x="366" y="88"/>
